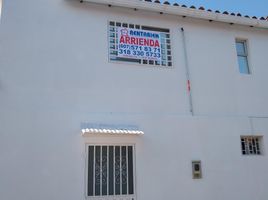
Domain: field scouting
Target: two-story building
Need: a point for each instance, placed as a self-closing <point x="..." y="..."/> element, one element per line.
<point x="131" y="100"/>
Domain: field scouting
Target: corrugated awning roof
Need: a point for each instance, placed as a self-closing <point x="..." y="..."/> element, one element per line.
<point x="90" y="131"/>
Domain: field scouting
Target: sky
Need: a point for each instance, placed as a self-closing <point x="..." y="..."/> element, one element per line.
<point x="258" y="8"/>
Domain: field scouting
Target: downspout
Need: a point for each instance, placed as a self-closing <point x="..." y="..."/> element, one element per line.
<point x="189" y="89"/>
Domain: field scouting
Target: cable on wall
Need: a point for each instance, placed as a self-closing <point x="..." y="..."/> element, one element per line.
<point x="189" y="89"/>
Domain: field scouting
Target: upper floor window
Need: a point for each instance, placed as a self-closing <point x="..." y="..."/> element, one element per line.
<point x="242" y="56"/>
<point x="139" y="44"/>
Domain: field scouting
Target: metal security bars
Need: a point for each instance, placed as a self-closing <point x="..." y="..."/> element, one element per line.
<point x="251" y="145"/>
<point x="166" y="57"/>
<point x="110" y="171"/>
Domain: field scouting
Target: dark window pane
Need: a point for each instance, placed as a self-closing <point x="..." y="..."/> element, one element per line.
<point x="117" y="170"/>
<point x="196" y="167"/>
<point x="157" y="62"/>
<point x="243" y="146"/>
<point x="104" y="170"/>
<point x="111" y="170"/>
<point x="90" y="170"/>
<point x="130" y="171"/>
<point x="124" y="169"/>
<point x="97" y="171"/>
<point x="254" y="150"/>
<point x="258" y="147"/>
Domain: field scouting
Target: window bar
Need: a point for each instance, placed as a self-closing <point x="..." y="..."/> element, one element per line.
<point x="100" y="170"/>
<point x="94" y="162"/>
<point x="90" y="163"/>
<point x="107" y="164"/>
<point x="114" y="168"/>
<point x="127" y="167"/>
<point x="120" y="171"/>
<point x="130" y="170"/>
<point x="246" y="146"/>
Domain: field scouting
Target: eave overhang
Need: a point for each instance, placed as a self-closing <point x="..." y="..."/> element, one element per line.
<point x="181" y="11"/>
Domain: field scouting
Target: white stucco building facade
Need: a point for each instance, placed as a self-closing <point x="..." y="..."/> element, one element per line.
<point x="58" y="79"/>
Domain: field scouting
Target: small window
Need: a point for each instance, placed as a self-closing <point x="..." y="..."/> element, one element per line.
<point x="242" y="56"/>
<point x="110" y="171"/>
<point x="140" y="44"/>
<point x="196" y="169"/>
<point x="251" y="145"/>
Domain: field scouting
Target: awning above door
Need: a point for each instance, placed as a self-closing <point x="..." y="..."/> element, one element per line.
<point x="94" y="131"/>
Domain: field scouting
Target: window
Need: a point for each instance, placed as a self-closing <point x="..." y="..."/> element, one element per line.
<point x="196" y="169"/>
<point x="110" y="171"/>
<point x="242" y="56"/>
<point x="163" y="52"/>
<point x="251" y="145"/>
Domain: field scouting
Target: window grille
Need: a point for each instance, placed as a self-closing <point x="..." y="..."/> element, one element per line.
<point x="250" y="145"/>
<point x="166" y="57"/>
<point x="110" y="171"/>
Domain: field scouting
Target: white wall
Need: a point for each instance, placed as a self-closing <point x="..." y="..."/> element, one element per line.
<point x="55" y="75"/>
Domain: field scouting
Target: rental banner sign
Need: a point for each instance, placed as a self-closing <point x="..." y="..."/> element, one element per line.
<point x="139" y="44"/>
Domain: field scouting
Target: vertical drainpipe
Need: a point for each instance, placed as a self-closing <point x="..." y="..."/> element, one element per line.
<point x="187" y="73"/>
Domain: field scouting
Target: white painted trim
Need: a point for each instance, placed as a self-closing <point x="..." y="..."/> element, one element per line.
<point x="181" y="11"/>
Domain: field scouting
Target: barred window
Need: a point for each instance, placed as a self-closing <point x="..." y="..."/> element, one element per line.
<point x="110" y="171"/>
<point x="160" y="56"/>
<point x="251" y="145"/>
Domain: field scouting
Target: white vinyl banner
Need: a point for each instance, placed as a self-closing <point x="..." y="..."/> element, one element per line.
<point x="139" y="44"/>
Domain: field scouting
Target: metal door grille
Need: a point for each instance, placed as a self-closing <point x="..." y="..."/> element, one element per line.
<point x="110" y="171"/>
